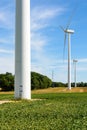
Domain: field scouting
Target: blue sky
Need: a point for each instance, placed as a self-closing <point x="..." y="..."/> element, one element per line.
<point x="47" y="39"/>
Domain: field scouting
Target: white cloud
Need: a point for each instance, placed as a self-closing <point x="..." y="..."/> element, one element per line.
<point x="7" y="64"/>
<point x="6" y="17"/>
<point x="37" y="41"/>
<point x="60" y="69"/>
<point x="2" y="16"/>
<point x="82" y="69"/>
<point x="6" y="51"/>
<point x="84" y="60"/>
<point x="6" y="40"/>
<point x="41" y="15"/>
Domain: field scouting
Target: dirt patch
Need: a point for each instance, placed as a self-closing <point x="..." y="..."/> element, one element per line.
<point x="1" y="102"/>
<point x="8" y="101"/>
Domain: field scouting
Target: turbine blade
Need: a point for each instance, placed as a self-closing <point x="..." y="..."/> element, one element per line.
<point x="70" y="18"/>
<point x="64" y="46"/>
<point x="62" y="28"/>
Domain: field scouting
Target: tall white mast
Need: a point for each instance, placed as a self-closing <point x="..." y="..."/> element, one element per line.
<point x="69" y="56"/>
<point x="69" y="62"/>
<point x="69" y="32"/>
<point x="74" y="62"/>
<point x="22" y="50"/>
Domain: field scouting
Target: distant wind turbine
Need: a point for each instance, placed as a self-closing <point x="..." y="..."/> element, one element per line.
<point x="74" y="62"/>
<point x="68" y="32"/>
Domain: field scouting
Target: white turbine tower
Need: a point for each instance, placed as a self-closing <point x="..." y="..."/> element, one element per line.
<point x="69" y="32"/>
<point x="22" y="50"/>
<point x="74" y="62"/>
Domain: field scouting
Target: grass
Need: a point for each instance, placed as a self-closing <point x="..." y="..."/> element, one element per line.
<point x="6" y="96"/>
<point x="56" y="111"/>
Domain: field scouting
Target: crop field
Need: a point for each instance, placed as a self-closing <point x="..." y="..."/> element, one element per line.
<point x="54" y="111"/>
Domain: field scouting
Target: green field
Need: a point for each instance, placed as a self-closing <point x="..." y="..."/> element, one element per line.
<point x="56" y="111"/>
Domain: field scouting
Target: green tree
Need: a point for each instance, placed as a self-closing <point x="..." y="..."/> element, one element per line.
<point x="39" y="81"/>
<point x="6" y="82"/>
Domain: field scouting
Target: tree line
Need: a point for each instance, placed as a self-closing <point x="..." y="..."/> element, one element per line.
<point x="38" y="81"/>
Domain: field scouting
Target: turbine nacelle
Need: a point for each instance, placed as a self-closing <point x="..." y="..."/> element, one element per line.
<point x="69" y="31"/>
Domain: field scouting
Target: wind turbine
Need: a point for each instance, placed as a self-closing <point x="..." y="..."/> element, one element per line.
<point x="68" y="32"/>
<point x="74" y="62"/>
